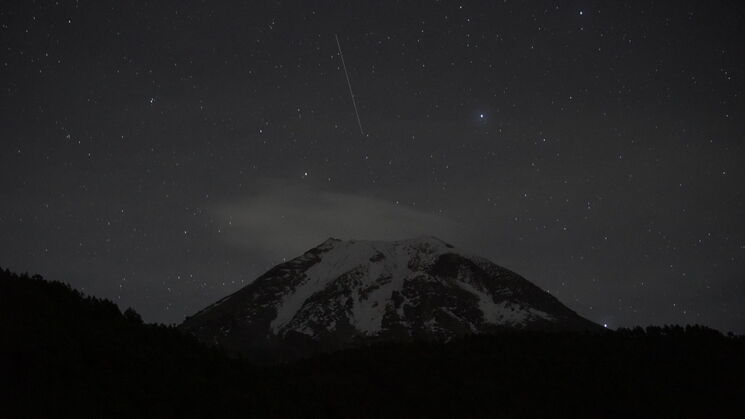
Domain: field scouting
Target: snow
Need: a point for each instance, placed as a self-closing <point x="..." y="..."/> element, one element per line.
<point x="489" y="309"/>
<point x="346" y="256"/>
<point x="383" y="269"/>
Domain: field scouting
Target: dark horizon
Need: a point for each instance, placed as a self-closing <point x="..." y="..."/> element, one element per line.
<point x="163" y="156"/>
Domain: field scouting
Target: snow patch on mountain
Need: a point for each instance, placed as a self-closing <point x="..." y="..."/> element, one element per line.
<point x="376" y="270"/>
<point x="383" y="268"/>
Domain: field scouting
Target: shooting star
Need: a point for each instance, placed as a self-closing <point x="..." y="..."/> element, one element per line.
<point x="354" y="102"/>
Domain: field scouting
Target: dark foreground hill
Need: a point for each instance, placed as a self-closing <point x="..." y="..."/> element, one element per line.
<point x="63" y="354"/>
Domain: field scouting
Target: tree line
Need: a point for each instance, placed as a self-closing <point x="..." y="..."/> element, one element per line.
<point x="64" y="353"/>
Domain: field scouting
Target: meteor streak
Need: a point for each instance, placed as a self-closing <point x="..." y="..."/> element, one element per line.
<point x="354" y="102"/>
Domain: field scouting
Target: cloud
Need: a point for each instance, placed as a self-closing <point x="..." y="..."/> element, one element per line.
<point x="283" y="219"/>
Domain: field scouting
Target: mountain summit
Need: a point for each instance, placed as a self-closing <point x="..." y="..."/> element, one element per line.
<point x="345" y="293"/>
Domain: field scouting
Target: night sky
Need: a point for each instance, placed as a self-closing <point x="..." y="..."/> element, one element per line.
<point x="164" y="154"/>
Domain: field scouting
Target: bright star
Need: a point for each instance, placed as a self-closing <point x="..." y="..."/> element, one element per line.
<point x="481" y="116"/>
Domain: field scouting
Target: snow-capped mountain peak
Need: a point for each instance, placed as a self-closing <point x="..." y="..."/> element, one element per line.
<point x="349" y="291"/>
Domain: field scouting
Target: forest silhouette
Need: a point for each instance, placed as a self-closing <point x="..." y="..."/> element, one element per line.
<point x="64" y="353"/>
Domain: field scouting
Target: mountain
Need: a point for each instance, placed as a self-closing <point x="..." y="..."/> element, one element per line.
<point x="345" y="293"/>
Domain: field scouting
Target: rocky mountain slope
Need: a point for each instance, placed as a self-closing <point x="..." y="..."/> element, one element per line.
<point x="344" y="293"/>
